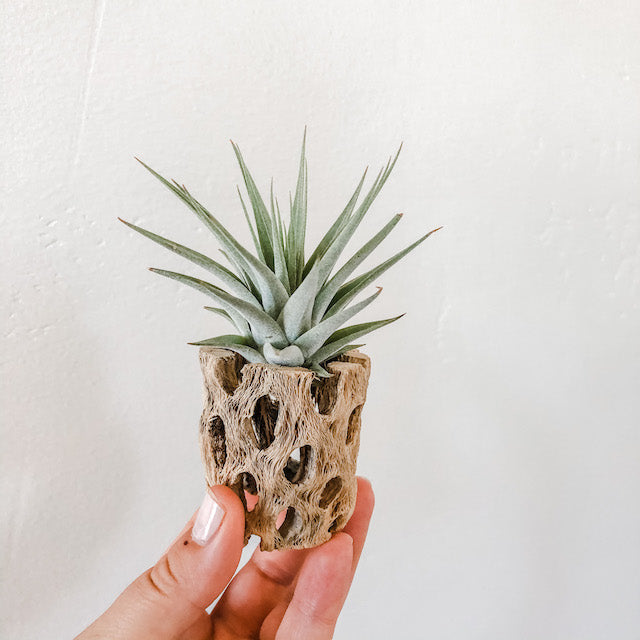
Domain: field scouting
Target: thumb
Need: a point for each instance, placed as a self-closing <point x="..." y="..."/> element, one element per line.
<point x="172" y="596"/>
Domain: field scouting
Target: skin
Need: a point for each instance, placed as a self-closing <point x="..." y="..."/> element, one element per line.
<point x="282" y="595"/>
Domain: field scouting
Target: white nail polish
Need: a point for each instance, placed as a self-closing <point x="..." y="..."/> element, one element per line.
<point x="208" y="520"/>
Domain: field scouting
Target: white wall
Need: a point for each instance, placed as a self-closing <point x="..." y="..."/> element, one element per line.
<point x="502" y="428"/>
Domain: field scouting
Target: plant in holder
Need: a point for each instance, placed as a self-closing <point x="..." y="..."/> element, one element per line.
<point x="284" y="392"/>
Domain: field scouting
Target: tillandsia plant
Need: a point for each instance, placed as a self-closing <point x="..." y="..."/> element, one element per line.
<point x="284" y="394"/>
<point x="287" y="309"/>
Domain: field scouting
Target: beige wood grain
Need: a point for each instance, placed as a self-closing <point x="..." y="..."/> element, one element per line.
<point x="256" y="416"/>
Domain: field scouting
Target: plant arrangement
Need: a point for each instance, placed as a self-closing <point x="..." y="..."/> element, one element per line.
<point x="284" y="392"/>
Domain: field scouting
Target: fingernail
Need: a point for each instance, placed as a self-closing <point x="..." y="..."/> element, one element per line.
<point x="208" y="520"/>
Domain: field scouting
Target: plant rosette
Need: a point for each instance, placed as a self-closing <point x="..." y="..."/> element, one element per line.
<point x="284" y="393"/>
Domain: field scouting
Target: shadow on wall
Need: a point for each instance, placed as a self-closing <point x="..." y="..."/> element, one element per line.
<point x="70" y="442"/>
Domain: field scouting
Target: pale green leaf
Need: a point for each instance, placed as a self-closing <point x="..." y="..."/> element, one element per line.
<point x="348" y="291"/>
<point x="279" y="261"/>
<point x="339" y="352"/>
<point x="329" y="259"/>
<point x="320" y="371"/>
<point x="272" y="292"/>
<point x="248" y="353"/>
<point x="223" y="340"/>
<point x="263" y="327"/>
<point x="298" y="223"/>
<point x="260" y="213"/>
<point x="290" y="356"/>
<point x="227" y="277"/>
<point x="281" y="226"/>
<point x="243" y="276"/>
<point x="313" y="339"/>
<point x="219" y="312"/>
<point x="254" y="237"/>
<point x="329" y="290"/>
<point x="295" y="317"/>
<point x="335" y="228"/>
<point x="343" y="336"/>
<point x="238" y="321"/>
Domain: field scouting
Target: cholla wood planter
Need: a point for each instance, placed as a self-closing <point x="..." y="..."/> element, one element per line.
<point x="286" y="437"/>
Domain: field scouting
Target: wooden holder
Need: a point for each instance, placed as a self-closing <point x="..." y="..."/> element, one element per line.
<point x="289" y="439"/>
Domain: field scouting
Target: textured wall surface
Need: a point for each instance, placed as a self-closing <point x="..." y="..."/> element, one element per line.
<point x="502" y="428"/>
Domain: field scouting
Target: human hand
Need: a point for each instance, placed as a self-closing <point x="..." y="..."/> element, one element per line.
<point x="286" y="595"/>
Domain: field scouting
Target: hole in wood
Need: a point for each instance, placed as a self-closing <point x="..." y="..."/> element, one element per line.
<point x="236" y="487"/>
<point x="330" y="491"/>
<point x="324" y="393"/>
<point x="291" y="524"/>
<point x="250" y="491"/>
<point x="217" y="441"/>
<point x="265" y="416"/>
<point x="298" y="464"/>
<point x="354" y="423"/>
<point x="337" y="524"/>
<point x="230" y="373"/>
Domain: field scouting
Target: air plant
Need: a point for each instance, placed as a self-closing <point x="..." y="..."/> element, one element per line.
<point x="287" y="309"/>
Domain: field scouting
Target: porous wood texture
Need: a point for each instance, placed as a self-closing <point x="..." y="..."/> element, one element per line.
<point x="289" y="439"/>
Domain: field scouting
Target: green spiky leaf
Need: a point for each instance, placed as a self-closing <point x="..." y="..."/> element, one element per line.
<point x="331" y="288"/>
<point x="347" y="292"/>
<point x="224" y="340"/>
<point x="227" y="342"/>
<point x="343" y="336"/>
<point x="263" y="327"/>
<point x="298" y="225"/>
<point x="319" y="370"/>
<point x="227" y="277"/>
<point x="279" y="257"/>
<point x="349" y="347"/>
<point x="335" y="228"/>
<point x="241" y="325"/>
<point x="260" y="213"/>
<point x="329" y="259"/>
<point x="254" y="237"/>
<point x="296" y="315"/>
<point x="272" y="292"/>
<point x="313" y="339"/>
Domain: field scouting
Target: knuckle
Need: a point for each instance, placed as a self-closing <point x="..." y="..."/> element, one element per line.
<point x="161" y="577"/>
